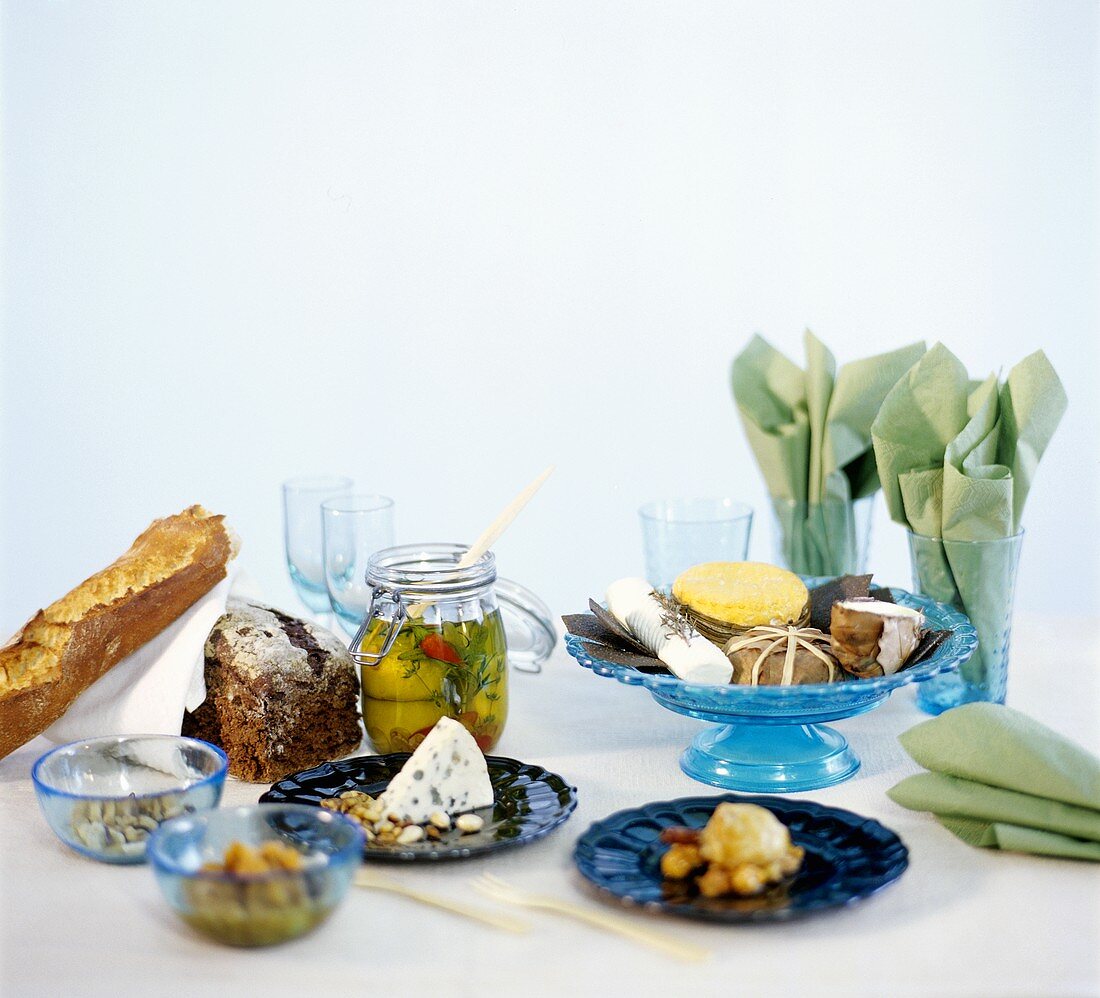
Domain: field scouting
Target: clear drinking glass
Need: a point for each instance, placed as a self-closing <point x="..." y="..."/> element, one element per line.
<point x="354" y="527"/>
<point x="679" y="533"/>
<point x="831" y="537"/>
<point x="978" y="578"/>
<point x="303" y="536"/>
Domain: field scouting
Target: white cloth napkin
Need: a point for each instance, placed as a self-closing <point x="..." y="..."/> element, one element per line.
<point x="146" y="693"/>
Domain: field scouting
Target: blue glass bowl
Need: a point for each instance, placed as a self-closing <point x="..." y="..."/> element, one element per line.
<point x="265" y="908"/>
<point x="103" y="797"/>
<point x="771" y="739"/>
<point x="847" y="858"/>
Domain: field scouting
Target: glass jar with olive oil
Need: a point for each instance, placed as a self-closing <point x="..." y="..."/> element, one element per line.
<point x="432" y="645"/>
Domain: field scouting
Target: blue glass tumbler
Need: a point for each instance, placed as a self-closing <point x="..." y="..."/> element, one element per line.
<point x="679" y="533"/>
<point x="978" y="578"/>
<point x="302" y="534"/>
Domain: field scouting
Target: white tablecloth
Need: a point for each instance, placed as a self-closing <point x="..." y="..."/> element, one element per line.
<point x="961" y="921"/>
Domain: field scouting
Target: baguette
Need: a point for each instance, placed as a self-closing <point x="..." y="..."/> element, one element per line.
<point x="65" y="648"/>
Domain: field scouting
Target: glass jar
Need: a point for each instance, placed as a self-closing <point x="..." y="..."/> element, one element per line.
<point x="433" y="645"/>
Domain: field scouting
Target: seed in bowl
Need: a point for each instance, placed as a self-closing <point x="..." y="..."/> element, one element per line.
<point x="122" y="826"/>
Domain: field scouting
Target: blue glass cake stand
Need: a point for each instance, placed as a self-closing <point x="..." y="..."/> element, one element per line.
<point x="773" y="739"/>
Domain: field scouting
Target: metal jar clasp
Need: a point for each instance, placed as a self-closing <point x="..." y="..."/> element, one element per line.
<point x="400" y="614"/>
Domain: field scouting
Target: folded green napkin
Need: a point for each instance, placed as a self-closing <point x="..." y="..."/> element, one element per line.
<point x="810" y="430"/>
<point x="968" y="799"/>
<point x="957" y="459"/>
<point x="1015" y="838"/>
<point x="1001" y="780"/>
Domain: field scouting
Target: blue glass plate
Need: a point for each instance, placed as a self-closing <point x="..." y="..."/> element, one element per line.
<point x="530" y="803"/>
<point x="771" y="739"/>
<point x="848" y="857"/>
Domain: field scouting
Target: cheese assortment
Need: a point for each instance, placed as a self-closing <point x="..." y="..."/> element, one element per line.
<point x="745" y="623"/>
<point x="438" y="788"/>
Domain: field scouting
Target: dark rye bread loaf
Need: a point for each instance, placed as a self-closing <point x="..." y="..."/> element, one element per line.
<point x="281" y="693"/>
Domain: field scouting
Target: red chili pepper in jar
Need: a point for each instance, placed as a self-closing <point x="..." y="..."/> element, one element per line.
<point x="435" y="647"/>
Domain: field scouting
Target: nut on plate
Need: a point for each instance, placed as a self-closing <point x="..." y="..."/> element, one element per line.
<point x="468" y="824"/>
<point x="389" y="829"/>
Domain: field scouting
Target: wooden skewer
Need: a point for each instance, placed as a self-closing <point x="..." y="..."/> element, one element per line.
<point x="489" y="537"/>
<point x="374" y="881"/>
<point x="492" y="532"/>
<point x="498" y="890"/>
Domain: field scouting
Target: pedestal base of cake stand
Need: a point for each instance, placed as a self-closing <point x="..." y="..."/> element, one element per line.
<point x="770" y="758"/>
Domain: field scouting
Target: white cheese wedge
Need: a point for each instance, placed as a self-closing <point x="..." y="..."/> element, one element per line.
<point x="901" y="630"/>
<point x="693" y="658"/>
<point x="447" y="773"/>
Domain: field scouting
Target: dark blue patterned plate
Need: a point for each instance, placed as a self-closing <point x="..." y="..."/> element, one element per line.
<point x="530" y="802"/>
<point x="848" y="857"/>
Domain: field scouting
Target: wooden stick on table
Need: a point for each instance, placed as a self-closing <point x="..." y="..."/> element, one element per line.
<point x="375" y="881"/>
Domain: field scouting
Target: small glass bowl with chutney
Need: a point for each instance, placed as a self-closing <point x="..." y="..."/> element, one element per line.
<point x="256" y="875"/>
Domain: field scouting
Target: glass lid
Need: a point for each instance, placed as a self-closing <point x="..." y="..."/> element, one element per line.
<point x="528" y="624"/>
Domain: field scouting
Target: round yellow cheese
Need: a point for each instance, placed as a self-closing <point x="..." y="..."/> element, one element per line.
<point x="742" y="594"/>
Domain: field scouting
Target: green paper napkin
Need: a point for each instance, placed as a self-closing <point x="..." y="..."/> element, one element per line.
<point x="1005" y="748"/>
<point x="949" y="795"/>
<point x="810" y="431"/>
<point x="1014" y="838"/>
<point x="957" y="459"/>
<point x="1002" y="780"/>
<point x="918" y="418"/>
<point x="771" y="394"/>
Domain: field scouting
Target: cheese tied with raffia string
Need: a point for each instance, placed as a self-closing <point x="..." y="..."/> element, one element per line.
<point x="782" y="656"/>
<point x="447" y="773"/>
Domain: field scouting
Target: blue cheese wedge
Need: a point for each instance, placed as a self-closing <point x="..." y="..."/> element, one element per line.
<point x="447" y="773"/>
<point x="687" y="653"/>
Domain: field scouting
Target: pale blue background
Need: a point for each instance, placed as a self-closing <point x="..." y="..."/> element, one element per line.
<point x="439" y="246"/>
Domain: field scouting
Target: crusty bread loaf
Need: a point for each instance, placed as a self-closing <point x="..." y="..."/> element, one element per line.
<point x="65" y="648"/>
<point x="282" y="694"/>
